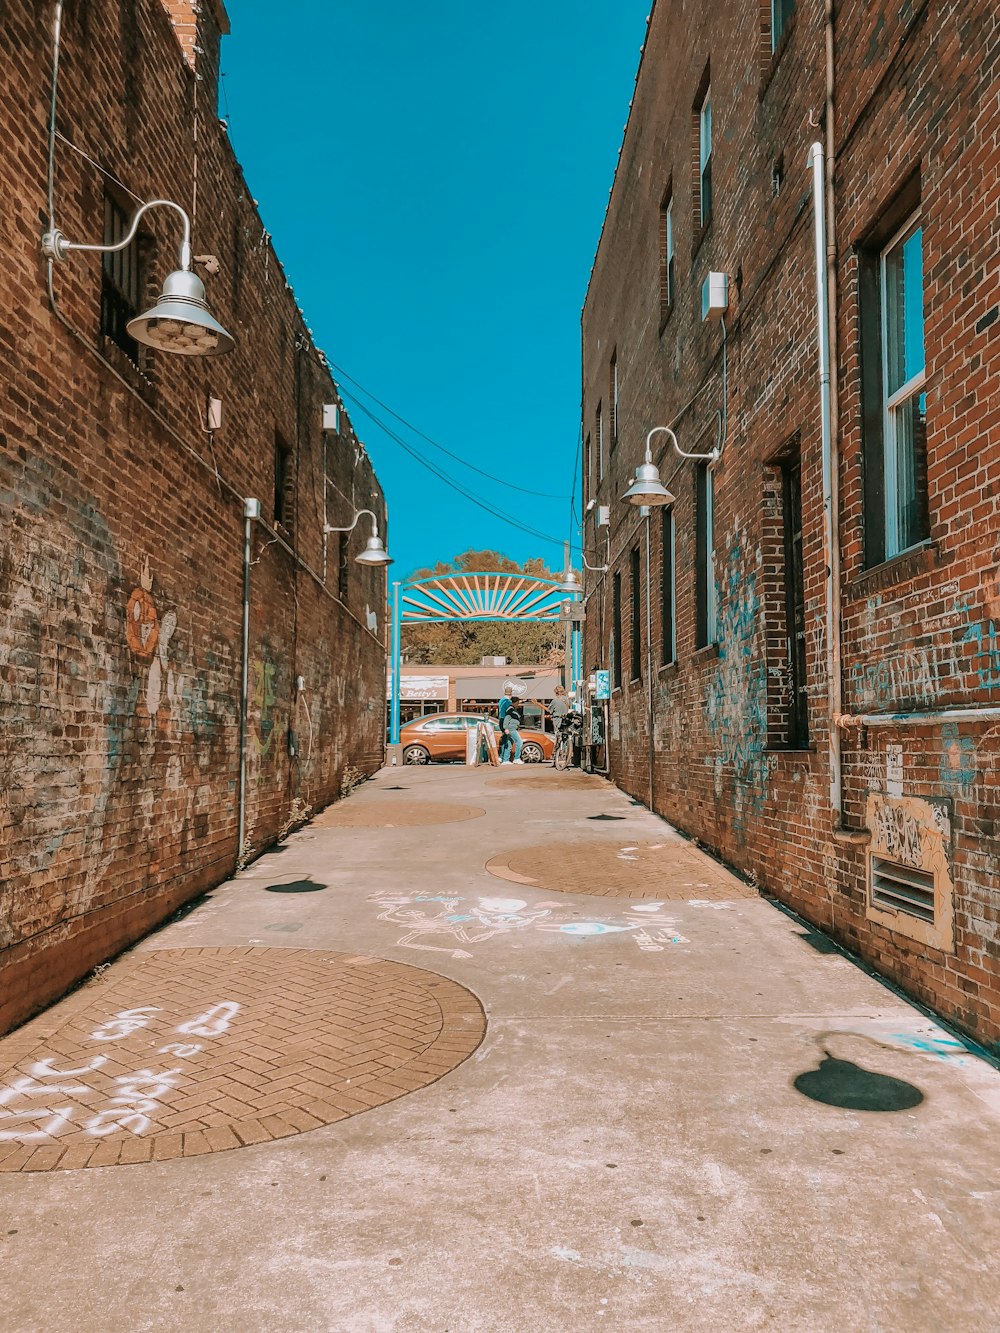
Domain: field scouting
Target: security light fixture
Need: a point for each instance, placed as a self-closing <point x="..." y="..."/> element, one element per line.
<point x="180" y="321"/>
<point x="570" y="581"/>
<point x="374" y="552"/>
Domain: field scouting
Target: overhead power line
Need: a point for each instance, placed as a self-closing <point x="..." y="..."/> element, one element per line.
<point x="450" y="481"/>
<point x="540" y="495"/>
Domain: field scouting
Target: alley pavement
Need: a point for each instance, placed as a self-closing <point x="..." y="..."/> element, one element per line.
<point x="486" y="1050"/>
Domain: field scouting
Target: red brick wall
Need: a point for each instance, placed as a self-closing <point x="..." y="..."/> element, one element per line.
<point x="916" y="88"/>
<point x="121" y="527"/>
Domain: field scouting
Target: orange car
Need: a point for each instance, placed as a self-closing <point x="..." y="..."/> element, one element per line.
<point x="442" y="736"/>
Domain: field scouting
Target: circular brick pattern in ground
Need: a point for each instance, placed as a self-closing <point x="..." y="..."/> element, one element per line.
<point x="672" y="870"/>
<point x="393" y="814"/>
<point x="180" y="1052"/>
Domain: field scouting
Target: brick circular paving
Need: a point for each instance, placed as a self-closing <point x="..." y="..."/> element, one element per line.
<point x="180" y="1052"/>
<point x="672" y="870"/>
<point x="394" y="814"/>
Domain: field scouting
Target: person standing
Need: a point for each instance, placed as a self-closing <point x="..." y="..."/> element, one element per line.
<point x="506" y="702"/>
<point x="558" y="706"/>
<point x="512" y="729"/>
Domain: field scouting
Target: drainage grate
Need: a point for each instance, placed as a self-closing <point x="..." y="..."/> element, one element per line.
<point x="902" y="888"/>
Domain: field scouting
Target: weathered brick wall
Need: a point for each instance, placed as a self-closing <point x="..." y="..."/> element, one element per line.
<point x="916" y="87"/>
<point x="121" y="525"/>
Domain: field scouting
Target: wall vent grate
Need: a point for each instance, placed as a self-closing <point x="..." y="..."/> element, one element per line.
<point x="902" y="888"/>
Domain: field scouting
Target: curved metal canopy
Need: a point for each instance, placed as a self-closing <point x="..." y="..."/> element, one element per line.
<point x="487" y="596"/>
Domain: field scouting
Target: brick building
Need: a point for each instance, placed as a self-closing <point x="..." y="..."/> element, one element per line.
<point x="808" y="678"/>
<point x="122" y="788"/>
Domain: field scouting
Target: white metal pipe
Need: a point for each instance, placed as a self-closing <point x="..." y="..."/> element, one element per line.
<point x="988" y="713"/>
<point x="830" y="538"/>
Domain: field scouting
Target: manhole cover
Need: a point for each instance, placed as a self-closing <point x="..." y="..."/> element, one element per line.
<point x="180" y="1052"/>
<point x="397" y="814"/>
<point x="660" y="870"/>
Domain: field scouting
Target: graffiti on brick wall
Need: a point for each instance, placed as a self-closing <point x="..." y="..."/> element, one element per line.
<point x="917" y="675"/>
<point x="736" y="708"/>
<point x="148" y="636"/>
<point x="959" y="761"/>
<point x="910" y="831"/>
<point x="263" y="698"/>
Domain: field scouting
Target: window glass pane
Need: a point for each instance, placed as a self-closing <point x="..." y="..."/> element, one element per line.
<point x="705" y="147"/>
<point x="911" y="482"/>
<point x="904" y="311"/>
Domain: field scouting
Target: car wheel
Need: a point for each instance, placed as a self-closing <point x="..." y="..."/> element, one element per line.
<point x="532" y="753"/>
<point x="416" y="754"/>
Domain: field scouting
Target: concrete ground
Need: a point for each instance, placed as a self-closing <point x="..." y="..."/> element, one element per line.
<point x="684" y="1112"/>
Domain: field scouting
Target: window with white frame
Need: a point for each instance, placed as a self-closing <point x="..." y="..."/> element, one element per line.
<point x="705" y="158"/>
<point x="614" y="398"/>
<point x="904" y="400"/>
<point x="666" y="255"/>
<point x="599" y="433"/>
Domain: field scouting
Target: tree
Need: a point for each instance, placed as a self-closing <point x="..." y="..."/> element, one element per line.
<point x="523" y="643"/>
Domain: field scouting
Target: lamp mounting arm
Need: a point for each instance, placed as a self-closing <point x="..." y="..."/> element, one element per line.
<point x="56" y="246"/>
<point x="350" y="528"/>
<point x="712" y="457"/>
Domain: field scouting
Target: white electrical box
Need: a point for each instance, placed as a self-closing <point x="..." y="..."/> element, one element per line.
<point x="715" y="296"/>
<point x="214" y="414"/>
<point x="603" y="516"/>
<point x="331" y="417"/>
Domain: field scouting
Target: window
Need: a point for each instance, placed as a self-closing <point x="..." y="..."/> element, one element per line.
<point x="666" y="256"/>
<point x="781" y="12"/>
<point x="614" y="398"/>
<point x="121" y="282"/>
<point x="705" y="159"/>
<point x="599" y="432"/>
<point x="636" y="615"/>
<point x="282" y="470"/>
<point x="797" y="728"/>
<point x="893" y="399"/>
<point x="705" y="630"/>
<point x="588" y="480"/>
<point x="616" y="644"/>
<point x="904" y="400"/>
<point x="667" y="610"/>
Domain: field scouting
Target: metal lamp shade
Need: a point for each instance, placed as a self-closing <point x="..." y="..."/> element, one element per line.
<point x="181" y="321"/>
<point x="570" y="582"/>
<point x="374" y="553"/>
<point x="648" y="489"/>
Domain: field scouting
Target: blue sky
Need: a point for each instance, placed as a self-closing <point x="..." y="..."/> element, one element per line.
<point x="435" y="176"/>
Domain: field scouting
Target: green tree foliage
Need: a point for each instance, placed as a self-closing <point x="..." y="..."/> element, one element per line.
<point x="523" y="643"/>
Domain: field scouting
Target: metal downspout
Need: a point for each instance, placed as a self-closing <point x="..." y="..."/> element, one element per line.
<point x="251" y="511"/>
<point x="830" y="544"/>
<point x="834" y="628"/>
<point x="649" y="669"/>
<point x="396" y="655"/>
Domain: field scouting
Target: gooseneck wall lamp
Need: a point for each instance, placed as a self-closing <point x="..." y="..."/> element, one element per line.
<point x="374" y="552"/>
<point x="647" y="488"/>
<point x="180" y="321"/>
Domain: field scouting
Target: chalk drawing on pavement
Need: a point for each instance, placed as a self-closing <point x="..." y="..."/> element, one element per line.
<point x="444" y="923"/>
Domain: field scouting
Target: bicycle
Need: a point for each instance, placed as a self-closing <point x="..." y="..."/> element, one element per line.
<point x="570" y="730"/>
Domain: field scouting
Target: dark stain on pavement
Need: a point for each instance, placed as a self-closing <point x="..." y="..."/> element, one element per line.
<point x="605" y="816"/>
<point x="821" y="943"/>
<point x="295" y="886"/>
<point x="842" y="1083"/>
